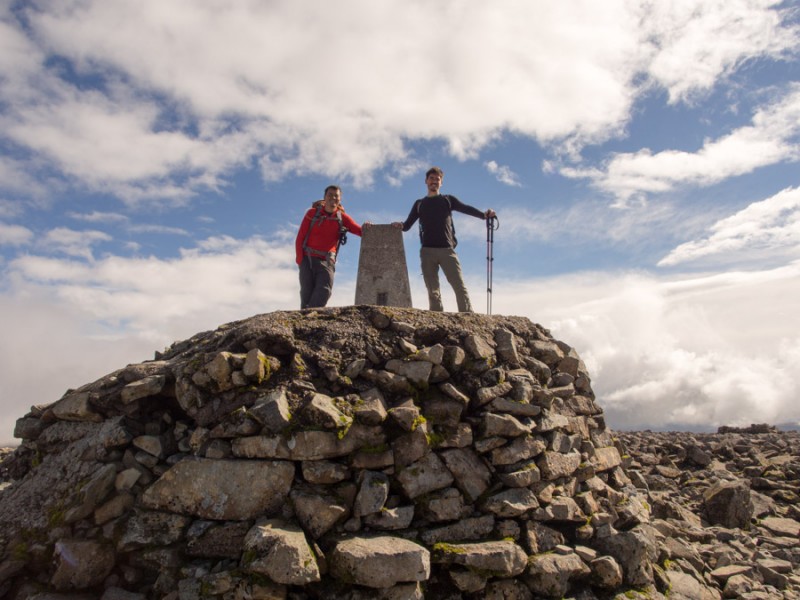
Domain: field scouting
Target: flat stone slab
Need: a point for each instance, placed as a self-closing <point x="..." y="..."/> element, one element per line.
<point x="380" y="562"/>
<point x="780" y="526"/>
<point x="227" y="490"/>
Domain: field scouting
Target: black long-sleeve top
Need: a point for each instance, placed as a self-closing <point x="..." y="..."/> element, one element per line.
<point x="436" y="220"/>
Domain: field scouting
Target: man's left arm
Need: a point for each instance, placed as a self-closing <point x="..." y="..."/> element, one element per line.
<point x="457" y="205"/>
<point x="351" y="225"/>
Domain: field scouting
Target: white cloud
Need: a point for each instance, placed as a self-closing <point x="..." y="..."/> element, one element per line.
<point x="672" y="353"/>
<point x="218" y="276"/>
<point x="769" y="227"/>
<point x="503" y="173"/>
<point x="20" y="177"/>
<point x="771" y="139"/>
<point x="97" y="216"/>
<point x="188" y="92"/>
<point x="686" y="61"/>
<point x="73" y="243"/>
<point x="158" y="229"/>
<point x="14" y="235"/>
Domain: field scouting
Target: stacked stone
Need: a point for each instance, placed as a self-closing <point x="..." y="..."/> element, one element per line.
<point x="361" y="452"/>
<point x="725" y="507"/>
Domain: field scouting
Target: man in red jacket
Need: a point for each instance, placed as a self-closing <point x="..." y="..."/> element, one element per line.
<point x="318" y="242"/>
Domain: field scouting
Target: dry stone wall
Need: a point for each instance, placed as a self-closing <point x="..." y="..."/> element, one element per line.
<point x="361" y="452"/>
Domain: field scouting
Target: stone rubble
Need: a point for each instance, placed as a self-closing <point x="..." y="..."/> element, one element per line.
<point x="725" y="506"/>
<point x="374" y="452"/>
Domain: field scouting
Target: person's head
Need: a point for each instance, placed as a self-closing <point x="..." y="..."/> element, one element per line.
<point x="433" y="179"/>
<point x="332" y="198"/>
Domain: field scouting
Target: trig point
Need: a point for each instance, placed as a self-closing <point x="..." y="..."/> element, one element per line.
<point x="382" y="272"/>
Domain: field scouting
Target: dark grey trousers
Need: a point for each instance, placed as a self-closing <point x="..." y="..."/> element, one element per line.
<point x="316" y="281"/>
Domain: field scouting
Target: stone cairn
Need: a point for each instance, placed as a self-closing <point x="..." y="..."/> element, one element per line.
<point x="360" y="452"/>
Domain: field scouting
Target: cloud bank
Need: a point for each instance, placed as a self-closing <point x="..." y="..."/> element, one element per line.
<point x="152" y="101"/>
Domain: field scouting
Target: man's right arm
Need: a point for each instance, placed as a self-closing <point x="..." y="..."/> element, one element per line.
<point x="301" y="238"/>
<point x="410" y="220"/>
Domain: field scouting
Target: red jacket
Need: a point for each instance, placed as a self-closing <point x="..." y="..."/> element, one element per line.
<point x="325" y="233"/>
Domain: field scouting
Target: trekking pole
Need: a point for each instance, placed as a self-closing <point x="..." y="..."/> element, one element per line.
<point x="492" y="223"/>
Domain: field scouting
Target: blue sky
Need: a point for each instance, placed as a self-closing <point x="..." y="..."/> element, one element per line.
<point x="156" y="159"/>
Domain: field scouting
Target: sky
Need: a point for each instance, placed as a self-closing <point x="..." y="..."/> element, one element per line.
<point x="156" y="159"/>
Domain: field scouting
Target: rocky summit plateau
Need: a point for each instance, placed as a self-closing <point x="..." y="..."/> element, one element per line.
<point x="374" y="452"/>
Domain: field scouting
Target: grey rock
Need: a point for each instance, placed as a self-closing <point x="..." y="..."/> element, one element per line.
<point x="323" y="471"/>
<point x="478" y="347"/>
<point x="453" y="392"/>
<point x="511" y="503"/>
<point x="521" y="448"/>
<point x="498" y="436"/>
<point x="524" y="475"/>
<point x="473" y="528"/>
<point x="507" y="346"/>
<point x="372" y="409"/>
<point x="551" y="575"/>
<point x="728" y="504"/>
<point x="443" y="505"/>
<point x="426" y="475"/>
<point x="321" y="411"/>
<point x="147" y="528"/>
<point x="379" y="562"/>
<point x="81" y="564"/>
<point x="92" y="494"/>
<point x="222" y="489"/>
<point x="486" y="394"/>
<point x="546" y="351"/>
<point x="606" y="572"/>
<point x="555" y="465"/>
<point x="433" y="354"/>
<point x="635" y="551"/>
<point x="406" y="416"/>
<point x="218" y="539"/>
<point x="152" y="385"/>
<point x="317" y="513"/>
<point x="280" y="552"/>
<point x="491" y="559"/>
<point x="372" y="494"/>
<point x="417" y="372"/>
<point x="471" y="474"/>
<point x="514" y="407"/>
<point x="76" y="407"/>
<point x="410" y="447"/>
<point x="683" y="586"/>
<point x="272" y="411"/>
<point x="503" y="426"/>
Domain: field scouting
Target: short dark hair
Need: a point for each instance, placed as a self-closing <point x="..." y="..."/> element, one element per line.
<point x="331" y="187"/>
<point x="436" y="170"/>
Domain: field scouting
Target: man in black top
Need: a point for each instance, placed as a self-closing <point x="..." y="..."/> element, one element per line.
<point x="438" y="239"/>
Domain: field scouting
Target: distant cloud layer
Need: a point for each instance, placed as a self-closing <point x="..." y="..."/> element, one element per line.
<point x="768" y="227"/>
<point x="696" y="352"/>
